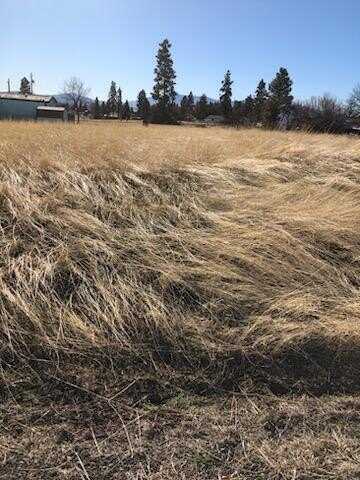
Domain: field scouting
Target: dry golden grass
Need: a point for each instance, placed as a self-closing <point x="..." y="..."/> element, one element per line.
<point x="159" y="285"/>
<point x="189" y="246"/>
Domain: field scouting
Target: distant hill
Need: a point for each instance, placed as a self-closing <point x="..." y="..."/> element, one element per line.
<point x="64" y="98"/>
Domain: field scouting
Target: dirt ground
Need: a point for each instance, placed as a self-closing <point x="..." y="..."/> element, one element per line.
<point x="83" y="424"/>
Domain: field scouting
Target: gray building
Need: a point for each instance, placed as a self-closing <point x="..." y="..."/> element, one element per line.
<point x="14" y="105"/>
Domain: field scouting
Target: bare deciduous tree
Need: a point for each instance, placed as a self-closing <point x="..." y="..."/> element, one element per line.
<point x="354" y="102"/>
<point x="76" y="92"/>
<point x="321" y="114"/>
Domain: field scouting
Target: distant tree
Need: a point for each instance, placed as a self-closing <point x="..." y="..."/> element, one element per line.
<point x="244" y="111"/>
<point x="103" y="109"/>
<point x="97" y="109"/>
<point x="119" y="105"/>
<point x="191" y="103"/>
<point x="164" y="87"/>
<point x="214" y="108"/>
<point x="354" y="103"/>
<point x="259" y="104"/>
<point x="143" y="105"/>
<point x="126" y="114"/>
<point x="76" y="92"/>
<point x="201" y="109"/>
<point x="25" y="86"/>
<point x="280" y="98"/>
<point x="184" y="107"/>
<point x="238" y="112"/>
<point x="226" y="95"/>
<point x="249" y="107"/>
<point x="112" y="99"/>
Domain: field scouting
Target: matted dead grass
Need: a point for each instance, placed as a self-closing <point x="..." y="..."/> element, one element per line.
<point x="212" y="260"/>
<point x="192" y="246"/>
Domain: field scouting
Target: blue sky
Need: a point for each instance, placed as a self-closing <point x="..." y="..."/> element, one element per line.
<point x="99" y="41"/>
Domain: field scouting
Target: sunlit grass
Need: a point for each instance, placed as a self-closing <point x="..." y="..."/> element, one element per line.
<point x="187" y="244"/>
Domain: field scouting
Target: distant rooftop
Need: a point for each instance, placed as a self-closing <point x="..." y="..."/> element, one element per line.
<point x="30" y="97"/>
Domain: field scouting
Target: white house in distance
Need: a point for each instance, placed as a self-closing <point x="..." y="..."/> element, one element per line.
<point x="18" y="106"/>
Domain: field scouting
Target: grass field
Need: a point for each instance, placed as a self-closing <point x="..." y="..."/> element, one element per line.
<point x="178" y="302"/>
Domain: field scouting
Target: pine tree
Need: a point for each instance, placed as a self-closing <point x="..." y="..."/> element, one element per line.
<point x="184" y="107"/>
<point x="146" y="109"/>
<point x="119" y="105"/>
<point x="280" y="99"/>
<point x="238" y="112"/>
<point x="214" y="108"/>
<point x="112" y="100"/>
<point x="202" y="107"/>
<point x="261" y="97"/>
<point x="225" y="95"/>
<point x="126" y="114"/>
<point x="103" y="109"/>
<point x="97" y="109"/>
<point x="143" y="105"/>
<point x="164" y="87"/>
<point x="191" y="103"/>
<point x="249" y="105"/>
<point x="25" y="87"/>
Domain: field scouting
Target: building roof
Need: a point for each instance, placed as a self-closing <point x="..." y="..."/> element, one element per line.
<point x="29" y="97"/>
<point x="50" y="108"/>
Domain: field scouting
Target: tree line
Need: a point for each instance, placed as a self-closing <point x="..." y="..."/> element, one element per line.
<point x="114" y="107"/>
<point x="271" y="105"/>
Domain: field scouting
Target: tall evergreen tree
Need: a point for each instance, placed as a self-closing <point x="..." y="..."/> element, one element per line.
<point x="225" y="95"/>
<point x="201" y="109"/>
<point x="97" y="109"/>
<point x="126" y="114"/>
<point x="191" y="103"/>
<point x="164" y="87"/>
<point x="143" y="105"/>
<point x="103" y="109"/>
<point x="119" y="105"/>
<point x="112" y="100"/>
<point x="184" y="107"/>
<point x="280" y="99"/>
<point x="25" y="87"/>
<point x="259" y="105"/>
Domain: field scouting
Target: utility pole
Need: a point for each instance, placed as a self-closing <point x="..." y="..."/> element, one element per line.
<point x="8" y="82"/>
<point x="32" y="81"/>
